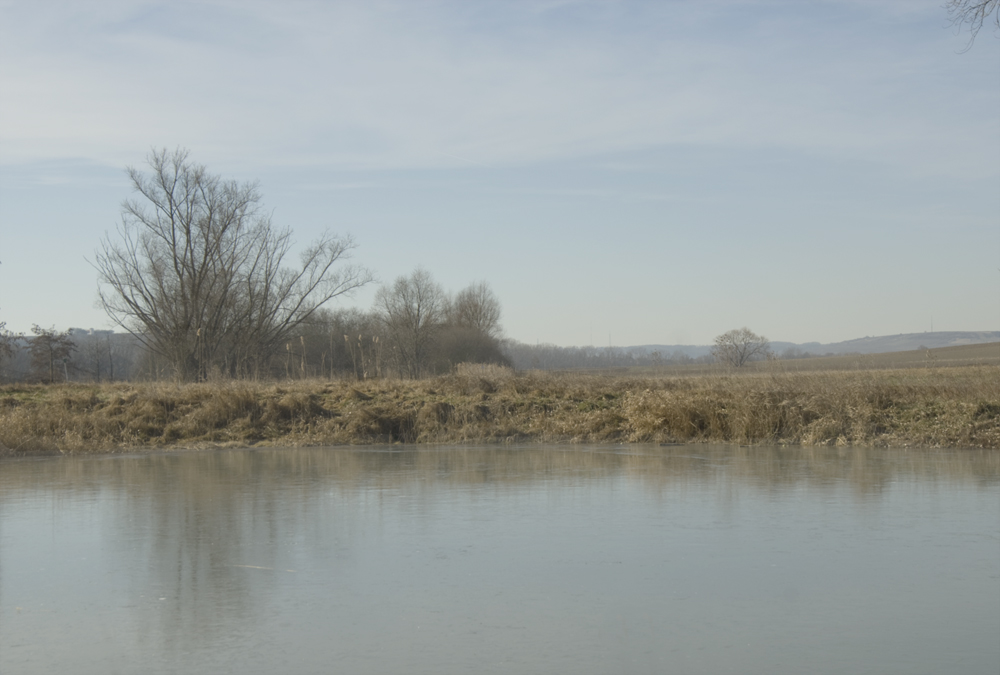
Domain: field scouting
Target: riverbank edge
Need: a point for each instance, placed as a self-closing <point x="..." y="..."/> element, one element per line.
<point x="918" y="407"/>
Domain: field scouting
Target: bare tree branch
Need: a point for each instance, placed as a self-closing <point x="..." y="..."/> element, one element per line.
<point x="973" y="13"/>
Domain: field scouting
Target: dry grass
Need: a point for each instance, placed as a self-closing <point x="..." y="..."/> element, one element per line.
<point x="987" y="354"/>
<point x="929" y="407"/>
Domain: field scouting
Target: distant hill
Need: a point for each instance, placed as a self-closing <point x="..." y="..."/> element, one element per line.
<point x="551" y="357"/>
<point x="866" y="345"/>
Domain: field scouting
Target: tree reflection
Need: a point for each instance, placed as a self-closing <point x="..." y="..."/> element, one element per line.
<point x="209" y="537"/>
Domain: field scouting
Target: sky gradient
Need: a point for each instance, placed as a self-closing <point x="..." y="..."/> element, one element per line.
<point x="619" y="172"/>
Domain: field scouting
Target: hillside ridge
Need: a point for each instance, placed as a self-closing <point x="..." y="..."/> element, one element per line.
<point x="865" y="345"/>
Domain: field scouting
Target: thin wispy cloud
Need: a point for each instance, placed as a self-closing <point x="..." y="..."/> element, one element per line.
<point x="391" y="85"/>
<point x="834" y="160"/>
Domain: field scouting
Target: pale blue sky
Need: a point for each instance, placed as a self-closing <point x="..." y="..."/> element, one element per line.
<point x="648" y="172"/>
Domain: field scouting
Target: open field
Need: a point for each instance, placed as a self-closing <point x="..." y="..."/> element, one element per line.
<point x="987" y="354"/>
<point x="957" y="406"/>
<point x="965" y="355"/>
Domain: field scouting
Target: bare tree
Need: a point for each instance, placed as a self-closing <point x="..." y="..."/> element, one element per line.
<point x="737" y="347"/>
<point x="49" y="350"/>
<point x="95" y="355"/>
<point x="346" y="341"/>
<point x="198" y="271"/>
<point x="121" y="351"/>
<point x="411" y="311"/>
<point x="8" y="342"/>
<point x="974" y="13"/>
<point x="477" y="308"/>
<point x="472" y="331"/>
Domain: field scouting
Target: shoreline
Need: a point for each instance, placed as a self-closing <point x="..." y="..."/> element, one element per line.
<point x="956" y="407"/>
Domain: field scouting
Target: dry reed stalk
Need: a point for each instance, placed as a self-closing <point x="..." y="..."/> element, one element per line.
<point x="946" y="407"/>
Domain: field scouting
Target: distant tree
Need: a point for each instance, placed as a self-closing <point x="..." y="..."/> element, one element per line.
<point x="348" y="341"/>
<point x="50" y="349"/>
<point x="472" y="332"/>
<point x="974" y="13"/>
<point x="454" y="345"/>
<point x="737" y="347"/>
<point x="8" y="342"/>
<point x="478" y="308"/>
<point x="679" y="357"/>
<point x="411" y="311"/>
<point x="199" y="274"/>
<point x="95" y="354"/>
<point x="122" y="349"/>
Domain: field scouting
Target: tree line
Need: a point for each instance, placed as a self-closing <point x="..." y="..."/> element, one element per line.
<point x="734" y="349"/>
<point x="414" y="329"/>
<point x="202" y="282"/>
<point x="359" y="344"/>
<point x="49" y="355"/>
<point x="202" y="278"/>
<point x="525" y="356"/>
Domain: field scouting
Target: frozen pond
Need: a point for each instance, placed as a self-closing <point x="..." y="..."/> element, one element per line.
<point x="632" y="559"/>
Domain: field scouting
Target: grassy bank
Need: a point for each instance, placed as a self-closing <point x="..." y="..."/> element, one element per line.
<point x="931" y="407"/>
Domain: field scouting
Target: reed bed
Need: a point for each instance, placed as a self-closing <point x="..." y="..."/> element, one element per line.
<point x="911" y="407"/>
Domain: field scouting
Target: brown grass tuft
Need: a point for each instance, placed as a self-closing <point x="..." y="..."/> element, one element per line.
<point x="945" y="407"/>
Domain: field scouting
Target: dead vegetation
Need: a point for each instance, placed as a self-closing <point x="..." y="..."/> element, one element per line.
<point x="928" y="407"/>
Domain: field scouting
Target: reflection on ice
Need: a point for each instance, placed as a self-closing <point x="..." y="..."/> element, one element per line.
<point x="590" y="559"/>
